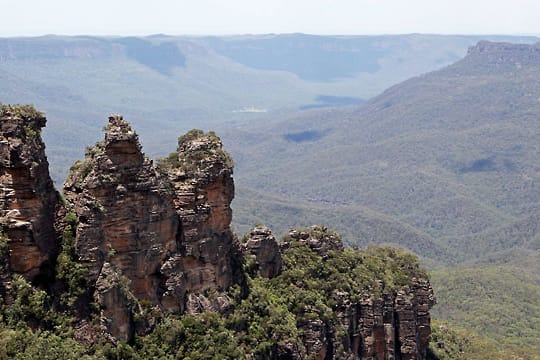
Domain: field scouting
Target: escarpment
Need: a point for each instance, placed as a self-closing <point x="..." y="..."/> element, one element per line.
<point x="150" y="244"/>
<point x="381" y="317"/>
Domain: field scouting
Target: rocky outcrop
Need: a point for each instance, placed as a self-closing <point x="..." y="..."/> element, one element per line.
<point x="499" y="57"/>
<point x="126" y="219"/>
<point x="124" y="211"/>
<point x="165" y="229"/>
<point x="116" y="303"/>
<point x="28" y="200"/>
<point x="393" y="325"/>
<point x="157" y="239"/>
<point x="318" y="238"/>
<point x="201" y="175"/>
<point x="262" y="245"/>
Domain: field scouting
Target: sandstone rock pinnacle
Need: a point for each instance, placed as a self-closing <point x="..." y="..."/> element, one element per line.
<point x="28" y="200"/>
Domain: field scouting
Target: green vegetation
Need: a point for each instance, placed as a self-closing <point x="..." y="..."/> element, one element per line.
<point x="26" y="112"/>
<point x="3" y="245"/>
<point x="498" y="301"/>
<point x="28" y="344"/>
<point x="451" y="342"/>
<point x="169" y="162"/>
<point x="82" y="168"/>
<point x="265" y="321"/>
<point x="190" y="136"/>
<point x="268" y="319"/>
<point x="68" y="269"/>
<point x="196" y="152"/>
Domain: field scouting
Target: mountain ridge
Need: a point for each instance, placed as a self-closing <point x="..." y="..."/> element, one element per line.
<point x="433" y="135"/>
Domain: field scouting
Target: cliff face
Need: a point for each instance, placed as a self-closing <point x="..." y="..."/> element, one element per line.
<point x="28" y="200"/>
<point x="127" y="224"/>
<point x="124" y="211"/>
<point x="392" y="325"/>
<point x="165" y="229"/>
<point x="201" y="175"/>
<point x="158" y="237"/>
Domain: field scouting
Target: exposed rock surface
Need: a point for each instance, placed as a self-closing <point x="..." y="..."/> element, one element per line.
<point x="126" y="219"/>
<point x="161" y="235"/>
<point x="166" y="229"/>
<point x="262" y="244"/>
<point x="500" y="52"/>
<point x="28" y="200"/>
<point x="393" y="325"/>
<point x="496" y="58"/>
<point x="116" y="303"/>
<point x="318" y="238"/>
<point x="201" y="175"/>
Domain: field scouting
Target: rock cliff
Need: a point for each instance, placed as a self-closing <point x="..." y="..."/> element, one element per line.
<point x="157" y="239"/>
<point x="28" y="200"/>
<point x="165" y="229"/>
<point x="394" y="324"/>
<point x="124" y="210"/>
<point x="201" y="175"/>
<point x="127" y="224"/>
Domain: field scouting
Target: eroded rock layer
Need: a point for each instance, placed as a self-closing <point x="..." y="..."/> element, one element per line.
<point x="126" y="217"/>
<point x="165" y="229"/>
<point x="392" y="325"/>
<point x="262" y="245"/>
<point x="201" y="175"/>
<point x="28" y="200"/>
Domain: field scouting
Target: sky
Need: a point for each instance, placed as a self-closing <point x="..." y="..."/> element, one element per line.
<point x="213" y="17"/>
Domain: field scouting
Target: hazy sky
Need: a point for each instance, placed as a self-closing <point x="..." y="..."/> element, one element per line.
<point x="135" y="17"/>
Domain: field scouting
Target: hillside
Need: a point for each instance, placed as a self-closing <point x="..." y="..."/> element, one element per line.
<point x="451" y="157"/>
<point x="508" y="287"/>
<point x="168" y="84"/>
<point x="451" y="154"/>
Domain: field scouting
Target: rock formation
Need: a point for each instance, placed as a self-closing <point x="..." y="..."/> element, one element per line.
<point x="204" y="188"/>
<point x="393" y="325"/>
<point x="127" y="224"/>
<point x="318" y="238"/>
<point x="396" y="323"/>
<point x="160" y="235"/>
<point x="201" y="175"/>
<point x="262" y="245"/>
<point x="28" y="200"/>
<point x="165" y="229"/>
